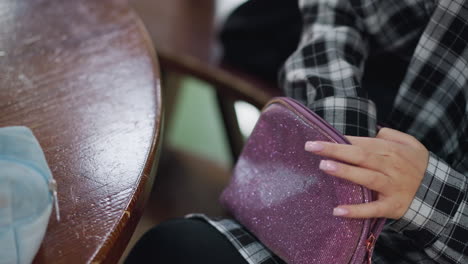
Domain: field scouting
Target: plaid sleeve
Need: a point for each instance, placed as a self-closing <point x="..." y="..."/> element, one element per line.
<point x="324" y="73"/>
<point x="437" y="218"/>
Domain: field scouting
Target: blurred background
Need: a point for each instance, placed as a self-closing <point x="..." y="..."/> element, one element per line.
<point x="194" y="137"/>
<point x="219" y="62"/>
<point x="196" y="126"/>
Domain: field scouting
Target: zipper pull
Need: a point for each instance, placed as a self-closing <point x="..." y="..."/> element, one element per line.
<point x="53" y="189"/>
<point x="370" y="243"/>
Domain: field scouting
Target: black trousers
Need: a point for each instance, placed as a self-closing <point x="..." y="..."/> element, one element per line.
<point x="184" y="241"/>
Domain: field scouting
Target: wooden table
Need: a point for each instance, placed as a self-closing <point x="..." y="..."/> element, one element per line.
<point x="83" y="76"/>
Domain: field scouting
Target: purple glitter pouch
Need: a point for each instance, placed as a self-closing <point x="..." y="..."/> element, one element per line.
<point x="278" y="192"/>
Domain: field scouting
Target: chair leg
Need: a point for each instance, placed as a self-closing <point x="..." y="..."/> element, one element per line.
<point x="171" y="84"/>
<point x="235" y="138"/>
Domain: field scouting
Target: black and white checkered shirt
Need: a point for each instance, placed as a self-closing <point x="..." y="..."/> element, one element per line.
<point x="326" y="72"/>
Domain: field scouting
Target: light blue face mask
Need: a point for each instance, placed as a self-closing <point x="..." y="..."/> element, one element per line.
<point x="27" y="193"/>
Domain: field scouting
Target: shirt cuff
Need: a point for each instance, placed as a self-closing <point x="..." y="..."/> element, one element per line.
<point x="353" y="116"/>
<point x="436" y="204"/>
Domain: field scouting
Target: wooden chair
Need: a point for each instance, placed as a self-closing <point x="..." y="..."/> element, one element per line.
<point x="187" y="48"/>
<point x="231" y="85"/>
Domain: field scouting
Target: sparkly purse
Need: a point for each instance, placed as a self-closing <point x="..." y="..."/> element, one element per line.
<point x="278" y="192"/>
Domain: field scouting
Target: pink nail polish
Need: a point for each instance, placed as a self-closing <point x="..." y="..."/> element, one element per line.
<point x="313" y="146"/>
<point x="328" y="165"/>
<point x="340" y="211"/>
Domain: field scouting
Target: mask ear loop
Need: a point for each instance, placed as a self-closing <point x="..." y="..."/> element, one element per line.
<point x="53" y="190"/>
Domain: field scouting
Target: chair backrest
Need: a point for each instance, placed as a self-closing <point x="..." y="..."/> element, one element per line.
<point x="187" y="48"/>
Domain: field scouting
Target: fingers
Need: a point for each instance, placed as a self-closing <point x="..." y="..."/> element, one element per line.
<point x="377" y="145"/>
<point x="377" y="209"/>
<point x="371" y="179"/>
<point x="368" y="210"/>
<point x="392" y="164"/>
<point x="352" y="154"/>
<point x="399" y="137"/>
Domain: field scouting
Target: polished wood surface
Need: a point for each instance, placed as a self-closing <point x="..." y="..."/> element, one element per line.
<point x="83" y="76"/>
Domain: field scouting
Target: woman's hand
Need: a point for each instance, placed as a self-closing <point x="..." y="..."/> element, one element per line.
<point x="393" y="164"/>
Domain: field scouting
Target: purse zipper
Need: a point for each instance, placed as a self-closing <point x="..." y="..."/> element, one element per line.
<point x="326" y="125"/>
<point x="370" y="243"/>
<point x="376" y="228"/>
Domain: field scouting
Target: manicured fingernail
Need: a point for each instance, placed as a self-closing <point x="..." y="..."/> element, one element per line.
<point x="313" y="146"/>
<point x="328" y="165"/>
<point x="340" y="211"/>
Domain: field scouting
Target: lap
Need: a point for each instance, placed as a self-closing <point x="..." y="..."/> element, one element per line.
<point x="184" y="241"/>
